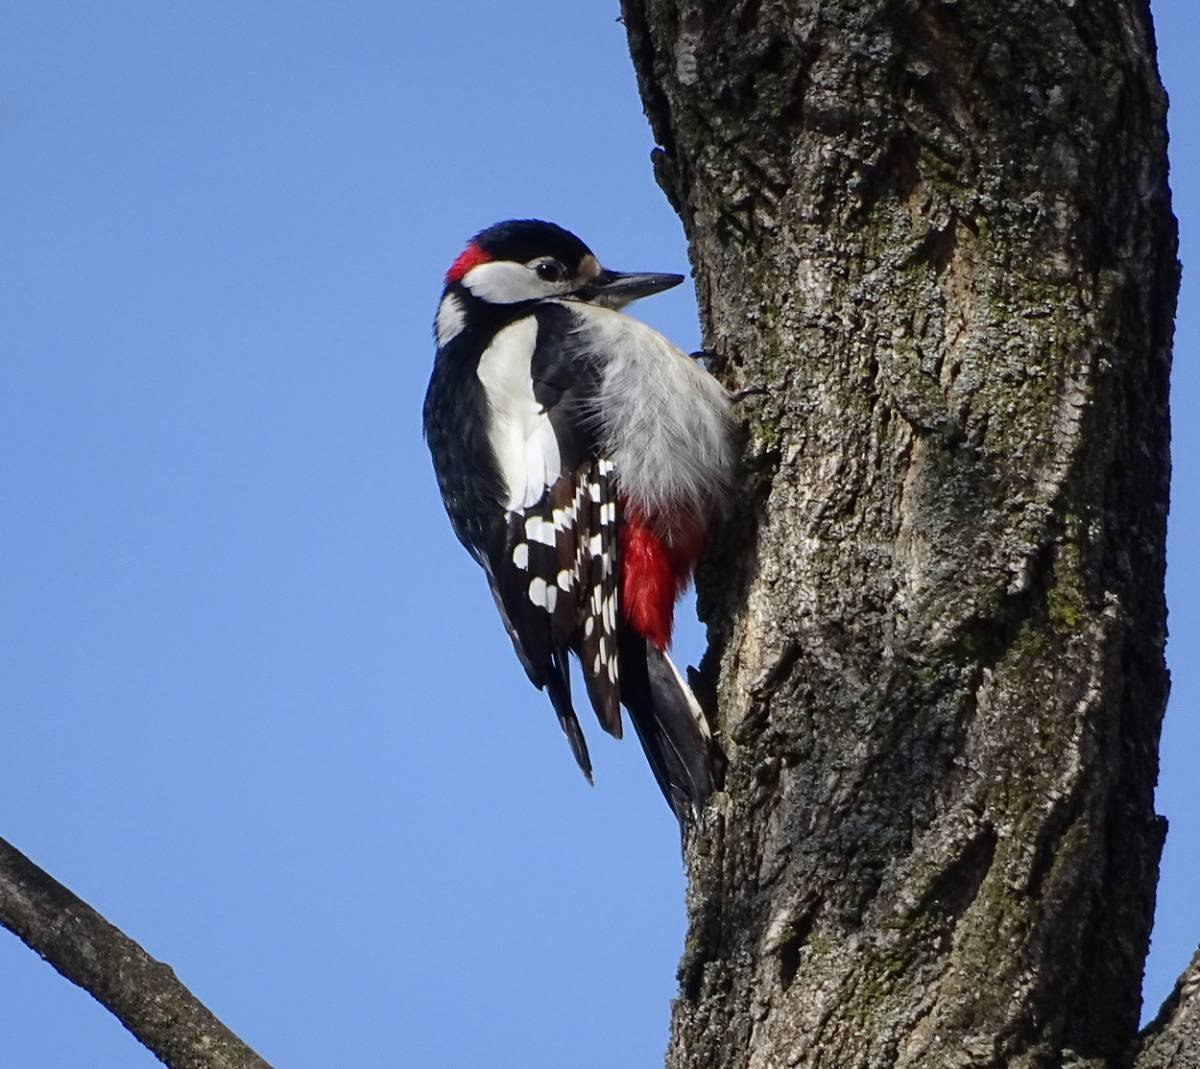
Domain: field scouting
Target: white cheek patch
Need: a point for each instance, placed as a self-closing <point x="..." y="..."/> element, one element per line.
<point x="451" y="318"/>
<point x="505" y="282"/>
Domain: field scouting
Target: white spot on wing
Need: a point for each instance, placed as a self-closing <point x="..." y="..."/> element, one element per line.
<point x="538" y="530"/>
<point x="537" y="591"/>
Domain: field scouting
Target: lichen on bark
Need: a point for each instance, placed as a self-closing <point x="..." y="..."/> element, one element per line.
<point x="937" y="234"/>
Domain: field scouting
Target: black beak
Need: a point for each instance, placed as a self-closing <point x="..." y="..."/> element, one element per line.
<point x="617" y="288"/>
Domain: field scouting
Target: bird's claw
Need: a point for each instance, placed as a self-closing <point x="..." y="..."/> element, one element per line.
<point x="749" y="391"/>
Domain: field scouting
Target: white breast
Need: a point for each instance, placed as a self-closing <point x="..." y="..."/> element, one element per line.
<point x="665" y="421"/>
<point x="519" y="430"/>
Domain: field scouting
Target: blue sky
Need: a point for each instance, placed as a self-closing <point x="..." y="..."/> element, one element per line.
<point x="257" y="707"/>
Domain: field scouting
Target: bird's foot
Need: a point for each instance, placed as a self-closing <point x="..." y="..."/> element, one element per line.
<point x="749" y="391"/>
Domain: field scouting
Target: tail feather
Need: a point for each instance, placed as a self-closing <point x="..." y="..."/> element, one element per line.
<point x="670" y="726"/>
<point x="558" y="686"/>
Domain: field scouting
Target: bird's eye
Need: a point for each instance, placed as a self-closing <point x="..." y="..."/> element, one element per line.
<point x="551" y="271"/>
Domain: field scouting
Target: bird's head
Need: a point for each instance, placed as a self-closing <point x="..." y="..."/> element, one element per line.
<point x="528" y="260"/>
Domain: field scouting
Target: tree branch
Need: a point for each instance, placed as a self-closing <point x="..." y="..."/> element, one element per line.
<point x="1172" y="1039"/>
<point x="144" y="994"/>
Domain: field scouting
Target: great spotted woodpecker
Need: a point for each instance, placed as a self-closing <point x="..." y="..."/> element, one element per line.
<point x="581" y="458"/>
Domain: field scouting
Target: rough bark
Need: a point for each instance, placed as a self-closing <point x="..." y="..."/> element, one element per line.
<point x="1172" y="1040"/>
<point x="938" y="232"/>
<point x="143" y="994"/>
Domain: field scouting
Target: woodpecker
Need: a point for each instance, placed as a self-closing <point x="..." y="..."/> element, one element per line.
<point x="581" y="458"/>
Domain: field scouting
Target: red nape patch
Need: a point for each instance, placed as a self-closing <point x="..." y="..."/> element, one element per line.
<point x="471" y="256"/>
<point x="649" y="582"/>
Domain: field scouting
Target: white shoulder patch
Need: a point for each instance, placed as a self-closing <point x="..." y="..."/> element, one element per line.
<point x="519" y="429"/>
<point x="451" y="318"/>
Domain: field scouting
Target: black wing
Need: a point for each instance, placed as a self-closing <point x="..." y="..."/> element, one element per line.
<point x="553" y="564"/>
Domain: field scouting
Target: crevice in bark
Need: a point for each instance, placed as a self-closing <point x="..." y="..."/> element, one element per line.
<point x="789" y="949"/>
<point x="956" y="886"/>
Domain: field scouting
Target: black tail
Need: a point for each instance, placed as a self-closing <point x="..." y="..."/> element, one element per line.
<point x="558" y="685"/>
<point x="670" y="726"/>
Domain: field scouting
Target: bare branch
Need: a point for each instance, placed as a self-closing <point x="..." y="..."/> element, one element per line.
<point x="1172" y="1039"/>
<point x="144" y="994"/>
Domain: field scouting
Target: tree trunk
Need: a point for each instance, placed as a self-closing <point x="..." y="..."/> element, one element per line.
<point x="938" y="235"/>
